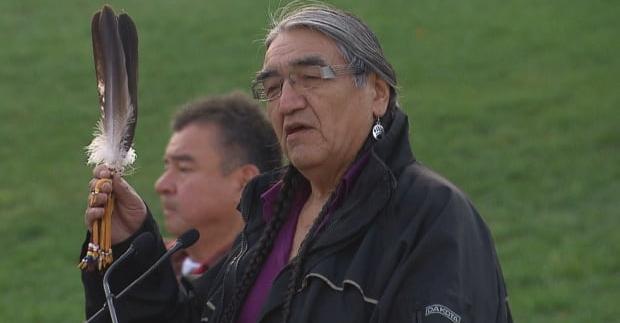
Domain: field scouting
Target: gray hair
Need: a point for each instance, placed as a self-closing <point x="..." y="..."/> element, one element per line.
<point x="357" y="43"/>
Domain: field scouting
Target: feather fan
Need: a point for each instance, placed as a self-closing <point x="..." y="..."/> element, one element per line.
<point x="115" y="48"/>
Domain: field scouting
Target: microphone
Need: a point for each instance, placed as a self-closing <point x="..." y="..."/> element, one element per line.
<point x="140" y="244"/>
<point x="187" y="239"/>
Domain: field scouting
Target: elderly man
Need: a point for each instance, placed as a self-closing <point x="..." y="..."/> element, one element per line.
<point x="354" y="229"/>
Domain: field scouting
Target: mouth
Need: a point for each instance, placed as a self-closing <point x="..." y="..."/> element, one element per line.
<point x="168" y="207"/>
<point x="293" y="128"/>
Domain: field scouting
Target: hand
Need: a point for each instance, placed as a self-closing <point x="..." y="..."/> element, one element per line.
<point x="129" y="209"/>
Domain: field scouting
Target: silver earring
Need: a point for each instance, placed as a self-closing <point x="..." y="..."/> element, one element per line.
<point x="377" y="129"/>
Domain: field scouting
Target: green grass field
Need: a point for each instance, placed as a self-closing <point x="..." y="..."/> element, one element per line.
<point x="515" y="101"/>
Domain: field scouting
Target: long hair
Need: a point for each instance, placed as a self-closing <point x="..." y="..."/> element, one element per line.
<point x="361" y="49"/>
<point x="357" y="43"/>
<point x="291" y="179"/>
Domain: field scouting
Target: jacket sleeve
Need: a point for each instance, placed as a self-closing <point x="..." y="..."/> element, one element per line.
<point x="449" y="272"/>
<point x="156" y="299"/>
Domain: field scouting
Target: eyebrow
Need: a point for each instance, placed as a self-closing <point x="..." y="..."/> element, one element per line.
<point x="179" y="158"/>
<point x="309" y="60"/>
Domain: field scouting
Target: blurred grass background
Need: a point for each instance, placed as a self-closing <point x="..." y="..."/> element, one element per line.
<point x="514" y="101"/>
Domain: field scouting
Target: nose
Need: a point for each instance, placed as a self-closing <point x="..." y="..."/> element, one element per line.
<point x="290" y="98"/>
<point x="164" y="184"/>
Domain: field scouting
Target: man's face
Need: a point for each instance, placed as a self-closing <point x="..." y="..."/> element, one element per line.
<point x="193" y="190"/>
<point x="323" y="126"/>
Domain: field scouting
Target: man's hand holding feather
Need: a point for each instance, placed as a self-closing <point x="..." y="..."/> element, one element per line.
<point x="129" y="209"/>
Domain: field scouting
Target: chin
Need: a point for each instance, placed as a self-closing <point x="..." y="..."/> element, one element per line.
<point x="305" y="161"/>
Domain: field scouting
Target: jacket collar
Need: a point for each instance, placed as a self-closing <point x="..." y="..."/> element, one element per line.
<point x="394" y="149"/>
<point x="363" y="203"/>
<point x="370" y="193"/>
<point x="374" y="186"/>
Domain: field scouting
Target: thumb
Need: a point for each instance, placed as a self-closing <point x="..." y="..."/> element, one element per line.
<point x="122" y="190"/>
<point x="126" y="195"/>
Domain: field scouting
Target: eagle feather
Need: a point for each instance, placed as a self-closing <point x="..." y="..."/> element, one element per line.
<point x="115" y="48"/>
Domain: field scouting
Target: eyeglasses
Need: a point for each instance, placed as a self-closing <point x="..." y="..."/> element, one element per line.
<point x="269" y="87"/>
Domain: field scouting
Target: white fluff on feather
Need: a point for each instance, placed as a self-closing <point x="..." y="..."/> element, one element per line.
<point x="109" y="150"/>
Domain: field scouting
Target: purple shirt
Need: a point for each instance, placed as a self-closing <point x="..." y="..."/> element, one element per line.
<point x="279" y="256"/>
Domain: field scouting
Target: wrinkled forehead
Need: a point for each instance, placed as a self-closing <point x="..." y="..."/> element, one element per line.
<point x="299" y="47"/>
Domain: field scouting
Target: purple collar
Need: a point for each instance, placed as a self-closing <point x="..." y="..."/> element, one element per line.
<point x="279" y="255"/>
<point x="270" y="196"/>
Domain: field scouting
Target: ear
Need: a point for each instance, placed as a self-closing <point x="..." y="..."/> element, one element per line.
<point x="381" y="94"/>
<point x="244" y="174"/>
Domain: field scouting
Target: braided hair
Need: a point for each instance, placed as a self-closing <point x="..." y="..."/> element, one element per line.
<point x="290" y="183"/>
<point x="291" y="180"/>
<point x="361" y="49"/>
<point x="298" y="261"/>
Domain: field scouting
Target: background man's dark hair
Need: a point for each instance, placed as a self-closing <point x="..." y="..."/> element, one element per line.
<point x="245" y="135"/>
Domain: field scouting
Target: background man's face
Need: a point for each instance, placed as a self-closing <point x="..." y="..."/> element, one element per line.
<point x="193" y="190"/>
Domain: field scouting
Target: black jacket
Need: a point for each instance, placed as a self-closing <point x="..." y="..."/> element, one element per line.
<point x="405" y="245"/>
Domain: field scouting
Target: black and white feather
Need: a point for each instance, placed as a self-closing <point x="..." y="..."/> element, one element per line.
<point x="115" y="48"/>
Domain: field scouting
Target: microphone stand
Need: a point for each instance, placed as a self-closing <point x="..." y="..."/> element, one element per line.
<point x="139" y="245"/>
<point x="109" y="296"/>
<point x="185" y="240"/>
